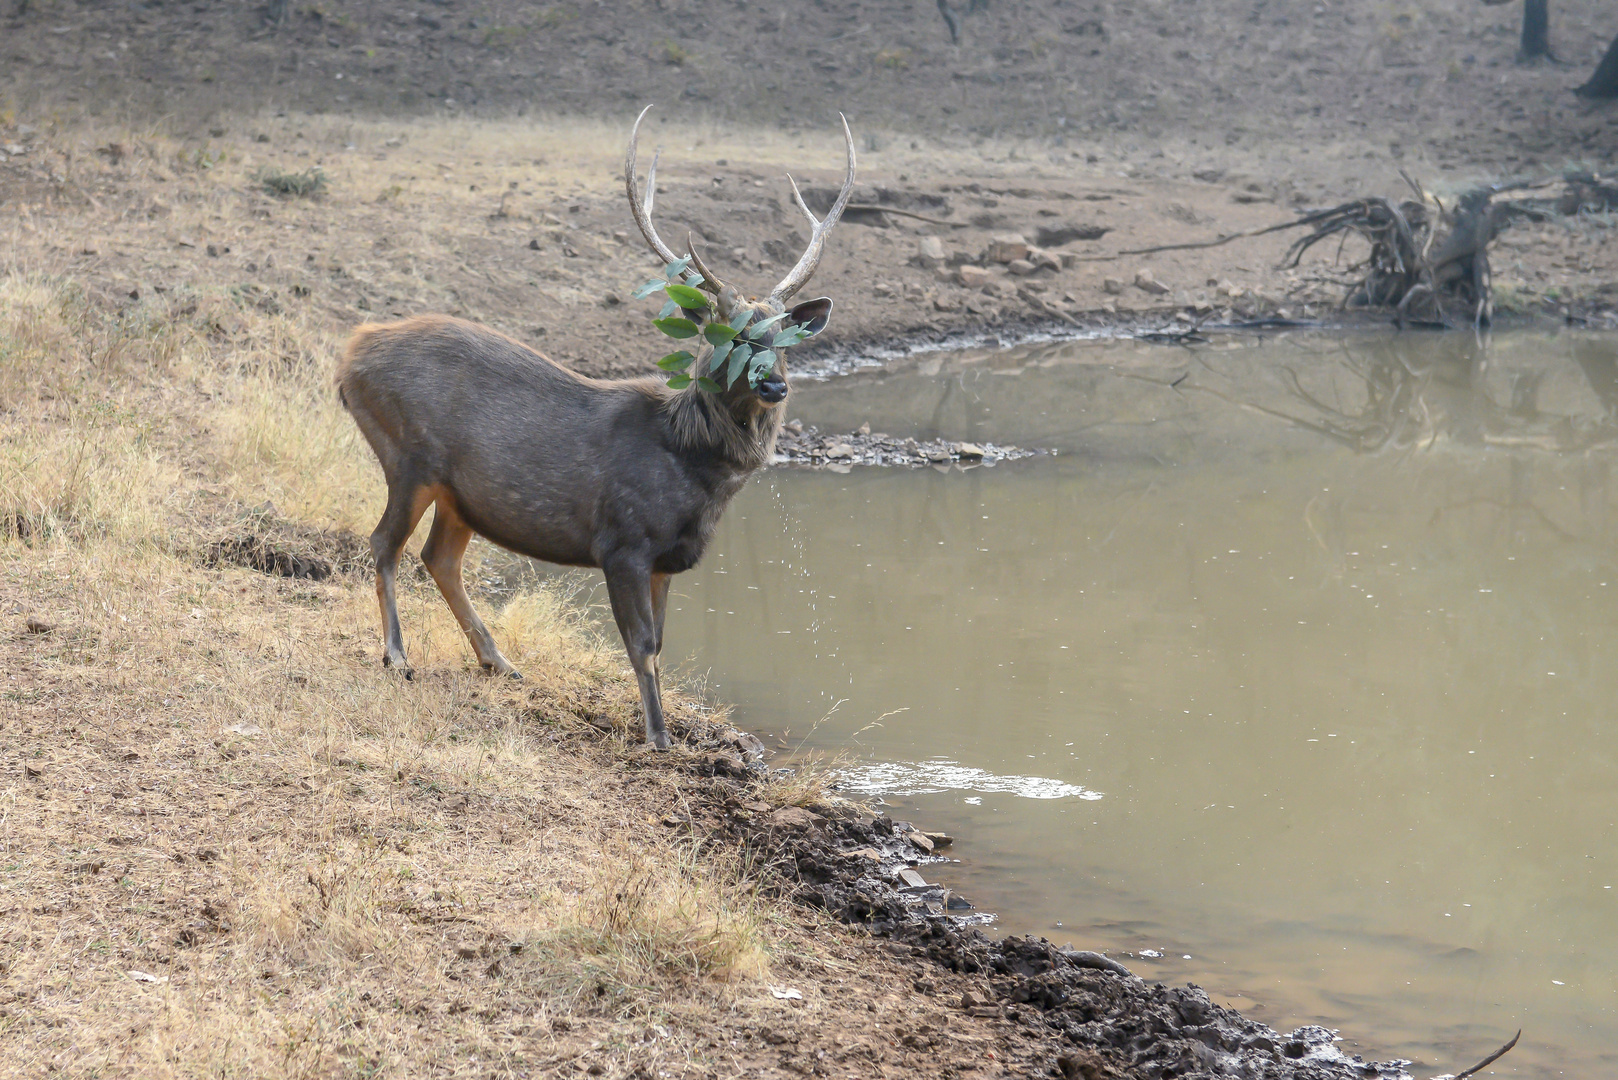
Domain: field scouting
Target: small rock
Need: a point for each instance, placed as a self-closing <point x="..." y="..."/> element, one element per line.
<point x="838" y="451"/>
<point x="920" y="840"/>
<point x="1006" y="247"/>
<point x="1021" y="267"/>
<point x="930" y="253"/>
<point x="1145" y="282"/>
<point x="795" y="426"/>
<point x="1112" y="286"/>
<point x="970" y="1000"/>
<point x="1044" y="260"/>
<point x="35" y="625"/>
<point x="909" y="879"/>
<point x="946" y="303"/>
<point x="1057" y="235"/>
<point x="955" y="902"/>
<point x="533" y="245"/>
<point x="972" y="451"/>
<point x="864" y="430"/>
<point x="865" y="853"/>
<point x="612" y="299"/>
<point x="972" y="277"/>
<point x="945" y="839"/>
<point x="795" y="817"/>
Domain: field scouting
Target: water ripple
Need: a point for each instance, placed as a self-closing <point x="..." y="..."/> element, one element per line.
<point x="932" y="777"/>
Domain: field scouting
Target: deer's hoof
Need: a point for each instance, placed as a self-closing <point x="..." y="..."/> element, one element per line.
<point x="659" y="740"/>
<point x="400" y="665"/>
<point x="508" y="671"/>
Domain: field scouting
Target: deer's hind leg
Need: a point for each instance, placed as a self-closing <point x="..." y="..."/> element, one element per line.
<point x="407" y="501"/>
<point x="445" y="547"/>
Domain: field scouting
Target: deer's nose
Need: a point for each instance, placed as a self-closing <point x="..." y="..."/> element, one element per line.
<point x="772" y="389"/>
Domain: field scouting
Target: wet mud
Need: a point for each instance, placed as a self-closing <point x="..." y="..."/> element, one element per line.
<point x="1069" y="1012"/>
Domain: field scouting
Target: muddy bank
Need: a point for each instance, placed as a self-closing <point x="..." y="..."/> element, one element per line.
<point x="1063" y="1012"/>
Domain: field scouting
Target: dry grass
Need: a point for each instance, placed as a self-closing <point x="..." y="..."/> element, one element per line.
<point x="326" y="871"/>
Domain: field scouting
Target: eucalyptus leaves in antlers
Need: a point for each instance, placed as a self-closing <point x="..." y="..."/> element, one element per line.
<point x="745" y="344"/>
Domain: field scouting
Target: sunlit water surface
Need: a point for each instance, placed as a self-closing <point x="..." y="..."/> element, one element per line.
<point x="1291" y="674"/>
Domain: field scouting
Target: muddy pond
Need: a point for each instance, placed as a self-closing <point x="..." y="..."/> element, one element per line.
<point x="1293" y="673"/>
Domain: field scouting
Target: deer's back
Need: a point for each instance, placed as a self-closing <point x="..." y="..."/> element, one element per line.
<point x="537" y="458"/>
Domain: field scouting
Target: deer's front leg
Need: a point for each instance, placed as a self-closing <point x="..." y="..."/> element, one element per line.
<point x="629" y="586"/>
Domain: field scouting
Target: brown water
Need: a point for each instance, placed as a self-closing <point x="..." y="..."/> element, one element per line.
<point x="1299" y="673"/>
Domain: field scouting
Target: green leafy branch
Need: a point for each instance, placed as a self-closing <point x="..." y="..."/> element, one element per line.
<point x="740" y="346"/>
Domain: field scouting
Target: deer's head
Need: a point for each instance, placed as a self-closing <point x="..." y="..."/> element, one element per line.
<point x="752" y="317"/>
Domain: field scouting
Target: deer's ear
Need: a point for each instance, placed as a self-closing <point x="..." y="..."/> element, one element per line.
<point x="812" y="315"/>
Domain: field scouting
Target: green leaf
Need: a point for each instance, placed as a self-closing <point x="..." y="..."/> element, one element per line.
<point x="740" y="319"/>
<point x="676" y="361"/>
<point x="719" y="353"/>
<point x="738" y="364"/>
<point x="680" y="382"/>
<point x="763" y="363"/>
<point x="710" y="386"/>
<point x="675" y="269"/>
<point x="647" y="289"/>
<point x="742" y="349"/>
<point x="756" y="331"/>
<point x="676" y="328"/>
<point x="686" y="297"/>
<point x="787" y="338"/>
<point x="718" y="333"/>
<point x="669" y="308"/>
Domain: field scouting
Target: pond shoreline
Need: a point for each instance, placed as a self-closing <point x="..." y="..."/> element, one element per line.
<point x="1063" y="1011"/>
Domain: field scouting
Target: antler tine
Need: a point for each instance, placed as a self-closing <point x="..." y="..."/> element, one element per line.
<point x="642" y="211"/>
<point x="797" y="196"/>
<point x="800" y="274"/>
<point x="710" y="280"/>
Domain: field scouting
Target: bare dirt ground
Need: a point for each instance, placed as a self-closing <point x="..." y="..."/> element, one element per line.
<point x="228" y="844"/>
<point x="474" y="154"/>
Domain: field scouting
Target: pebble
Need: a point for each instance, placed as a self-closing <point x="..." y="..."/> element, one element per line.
<point x="909" y="879"/>
<point x="930" y="252"/>
<point x="1145" y="282"/>
<point x="796" y="817"/>
<point x="1006" y="247"/>
<point x="972" y="277"/>
<point x="1044" y="260"/>
<point x="1112" y="286"/>
<point x="1021" y="267"/>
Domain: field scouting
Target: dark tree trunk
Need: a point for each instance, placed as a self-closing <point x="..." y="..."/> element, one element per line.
<point x="1604" y="83"/>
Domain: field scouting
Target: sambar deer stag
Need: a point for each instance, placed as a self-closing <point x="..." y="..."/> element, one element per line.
<point x="628" y="475"/>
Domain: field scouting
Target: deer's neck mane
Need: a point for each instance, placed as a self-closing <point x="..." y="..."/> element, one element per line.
<point x="701" y="422"/>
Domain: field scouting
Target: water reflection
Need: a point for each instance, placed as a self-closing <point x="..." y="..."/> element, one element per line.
<point x="1326" y="623"/>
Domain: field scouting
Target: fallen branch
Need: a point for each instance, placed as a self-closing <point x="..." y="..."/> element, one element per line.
<point x="1486" y="1062"/>
<point x="874" y="208"/>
